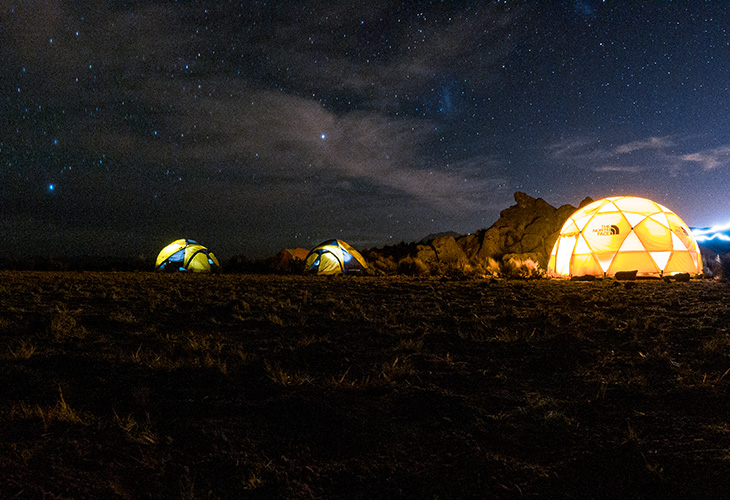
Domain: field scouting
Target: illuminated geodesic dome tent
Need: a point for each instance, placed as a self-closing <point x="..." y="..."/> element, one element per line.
<point x="334" y="257"/>
<point x="624" y="233"/>
<point x="187" y="256"/>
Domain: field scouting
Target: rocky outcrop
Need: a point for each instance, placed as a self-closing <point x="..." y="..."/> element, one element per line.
<point x="518" y="244"/>
<point x="442" y="249"/>
<point x="528" y="230"/>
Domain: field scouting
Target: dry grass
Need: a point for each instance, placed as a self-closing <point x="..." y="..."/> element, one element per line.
<point x="137" y="385"/>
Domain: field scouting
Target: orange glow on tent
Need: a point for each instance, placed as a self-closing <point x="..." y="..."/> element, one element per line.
<point x="624" y="233"/>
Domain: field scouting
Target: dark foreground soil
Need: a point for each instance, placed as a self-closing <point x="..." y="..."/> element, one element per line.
<point x="138" y="385"/>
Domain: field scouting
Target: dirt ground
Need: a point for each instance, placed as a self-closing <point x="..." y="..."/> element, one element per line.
<point x="142" y="385"/>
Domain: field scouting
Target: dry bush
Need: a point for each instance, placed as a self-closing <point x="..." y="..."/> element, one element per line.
<point x="492" y="268"/>
<point x="521" y="269"/>
<point x="24" y="351"/>
<point x="124" y="316"/>
<point x="412" y="266"/>
<point x="724" y="267"/>
<point x="135" y="431"/>
<point x="379" y="263"/>
<point x="488" y="268"/>
<point x="60" y="412"/>
<point x="282" y="377"/>
<point x="64" y="325"/>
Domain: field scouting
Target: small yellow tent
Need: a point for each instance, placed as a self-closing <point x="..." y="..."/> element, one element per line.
<point x="186" y="255"/>
<point x="334" y="257"/>
<point x="624" y="233"/>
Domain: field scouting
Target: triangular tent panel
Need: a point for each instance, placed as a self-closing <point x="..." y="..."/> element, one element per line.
<point x="655" y="237"/>
<point x="607" y="207"/>
<point x="636" y="205"/>
<point x="624" y="233"/>
<point x="660" y="258"/>
<point x="562" y="252"/>
<point x="661" y="219"/>
<point x="334" y="257"/>
<point x="635" y="219"/>
<point x="631" y="243"/>
<point x="187" y="256"/>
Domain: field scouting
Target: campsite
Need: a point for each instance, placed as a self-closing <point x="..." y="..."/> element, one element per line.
<point x="152" y="385"/>
<point x="364" y="250"/>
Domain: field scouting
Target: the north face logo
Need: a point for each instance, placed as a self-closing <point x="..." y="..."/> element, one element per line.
<point x="607" y="230"/>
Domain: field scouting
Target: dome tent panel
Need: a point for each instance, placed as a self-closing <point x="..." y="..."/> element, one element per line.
<point x="639" y="261"/>
<point x="606" y="231"/>
<point x="661" y="259"/>
<point x="654" y="236"/>
<point x="174" y="252"/>
<point x="186" y="256"/>
<point x="636" y="219"/>
<point x="324" y="262"/>
<point x="637" y="205"/>
<point x="562" y="253"/>
<point x="585" y="264"/>
<point x="334" y="257"/>
<point x="679" y="262"/>
<point x="625" y="233"/>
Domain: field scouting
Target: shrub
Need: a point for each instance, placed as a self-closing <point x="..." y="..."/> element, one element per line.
<point x="382" y="263"/>
<point x="521" y="269"/>
<point x="412" y="267"/>
<point x="725" y="267"/>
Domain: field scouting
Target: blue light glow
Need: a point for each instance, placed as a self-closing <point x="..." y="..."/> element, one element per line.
<point x="323" y="136"/>
<point x="51" y="187"/>
<point x="712" y="233"/>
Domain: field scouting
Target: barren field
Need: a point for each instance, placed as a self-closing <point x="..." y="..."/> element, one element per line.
<point x="141" y="385"/>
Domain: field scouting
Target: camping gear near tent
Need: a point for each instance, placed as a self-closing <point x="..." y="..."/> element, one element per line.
<point x="624" y="233"/>
<point x="334" y="257"/>
<point x="186" y="255"/>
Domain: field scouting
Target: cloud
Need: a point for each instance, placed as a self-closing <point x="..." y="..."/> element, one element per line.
<point x="578" y="149"/>
<point x="650" y="143"/>
<point x="291" y="139"/>
<point x="330" y="51"/>
<point x="631" y="169"/>
<point x="652" y="153"/>
<point x="710" y="159"/>
<point x="184" y="117"/>
<point x="187" y="109"/>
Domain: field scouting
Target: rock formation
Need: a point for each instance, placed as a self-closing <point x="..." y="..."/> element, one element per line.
<point x="527" y="230"/>
<point x="519" y="244"/>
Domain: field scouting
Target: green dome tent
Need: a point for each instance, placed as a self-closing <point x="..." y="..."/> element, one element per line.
<point x="186" y="255"/>
<point x="334" y="257"/>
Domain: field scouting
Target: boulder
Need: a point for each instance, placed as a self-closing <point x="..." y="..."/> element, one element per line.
<point x="531" y="226"/>
<point x="625" y="275"/>
<point x="447" y="250"/>
<point x="426" y="254"/>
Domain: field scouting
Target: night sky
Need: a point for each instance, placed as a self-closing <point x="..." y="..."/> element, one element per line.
<point x="256" y="126"/>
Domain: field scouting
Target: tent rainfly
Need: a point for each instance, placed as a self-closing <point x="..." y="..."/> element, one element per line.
<point x="186" y="255"/>
<point x="334" y="257"/>
<point x="624" y="233"/>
